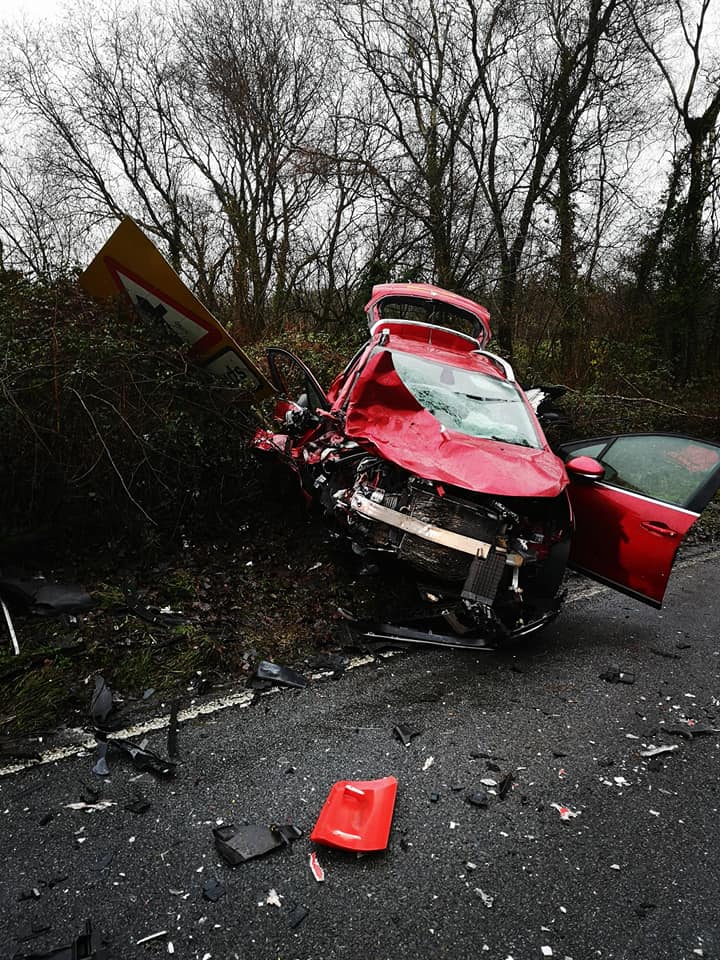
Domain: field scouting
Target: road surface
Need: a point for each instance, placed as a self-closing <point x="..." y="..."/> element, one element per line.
<point x="635" y="874"/>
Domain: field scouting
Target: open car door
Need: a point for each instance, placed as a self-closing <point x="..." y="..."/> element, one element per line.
<point x="630" y="523"/>
<point x="294" y="380"/>
<point x="299" y="406"/>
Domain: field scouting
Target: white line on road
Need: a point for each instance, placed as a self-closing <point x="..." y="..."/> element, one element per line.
<point x="244" y="698"/>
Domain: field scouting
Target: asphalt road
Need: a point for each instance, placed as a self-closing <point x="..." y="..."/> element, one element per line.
<point x="636" y="874"/>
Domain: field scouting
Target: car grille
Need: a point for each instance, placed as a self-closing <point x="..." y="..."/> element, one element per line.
<point x="450" y="514"/>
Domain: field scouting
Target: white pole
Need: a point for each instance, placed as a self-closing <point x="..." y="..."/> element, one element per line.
<point x="9" y="622"/>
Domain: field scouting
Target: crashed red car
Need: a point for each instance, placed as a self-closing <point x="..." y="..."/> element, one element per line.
<point x="426" y="447"/>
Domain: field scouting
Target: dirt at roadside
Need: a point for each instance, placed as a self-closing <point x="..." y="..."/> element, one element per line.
<point x="197" y="618"/>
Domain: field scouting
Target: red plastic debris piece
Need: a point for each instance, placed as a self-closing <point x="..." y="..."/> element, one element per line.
<point x="317" y="870"/>
<point x="357" y="815"/>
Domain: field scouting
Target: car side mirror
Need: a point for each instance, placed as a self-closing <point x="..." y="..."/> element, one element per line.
<point x="585" y="469"/>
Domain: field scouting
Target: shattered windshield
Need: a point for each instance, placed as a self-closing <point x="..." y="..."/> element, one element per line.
<point x="467" y="401"/>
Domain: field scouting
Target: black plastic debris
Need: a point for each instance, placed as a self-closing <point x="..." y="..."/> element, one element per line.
<point x="274" y="673"/>
<point x="138" y="805"/>
<point x="434" y="797"/>
<point x="240" y="844"/>
<point x="505" y="785"/>
<point x="287" y="832"/>
<point x="45" y="819"/>
<point x="81" y="948"/>
<point x="643" y="909"/>
<point x="142" y="758"/>
<point x="172" y="740"/>
<point x="212" y="890"/>
<point x="32" y="894"/>
<point x="43" y="597"/>
<point x="155" y="615"/>
<point x="90" y="794"/>
<point x="491" y="765"/>
<point x="688" y="730"/>
<point x="296" y="915"/>
<point x="478" y="799"/>
<point x="101" y="702"/>
<point x="200" y="684"/>
<point x="664" y="652"/>
<point x="616" y="675"/>
<point x="100" y="768"/>
<point x="334" y="663"/>
<point x="405" y="734"/>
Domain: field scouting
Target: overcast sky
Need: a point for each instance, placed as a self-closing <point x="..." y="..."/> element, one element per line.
<point x="10" y="9"/>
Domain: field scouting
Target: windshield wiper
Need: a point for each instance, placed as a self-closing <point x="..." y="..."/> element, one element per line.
<point x="471" y="396"/>
<point x="518" y="443"/>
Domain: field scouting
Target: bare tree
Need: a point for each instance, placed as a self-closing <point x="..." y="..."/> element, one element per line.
<point x="196" y="123"/>
<point x="553" y="48"/>
<point x="694" y="95"/>
<point x="250" y="81"/>
<point x="96" y="94"/>
<point x="414" y="59"/>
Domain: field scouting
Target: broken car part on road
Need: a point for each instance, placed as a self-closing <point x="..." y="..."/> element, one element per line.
<point x="239" y="844"/>
<point x="143" y="759"/>
<point x="357" y="815"/>
<point x="267" y="673"/>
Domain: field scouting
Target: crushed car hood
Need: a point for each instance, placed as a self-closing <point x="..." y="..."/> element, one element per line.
<point x="383" y="413"/>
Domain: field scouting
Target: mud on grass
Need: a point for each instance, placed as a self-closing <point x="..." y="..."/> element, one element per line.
<point x="272" y="591"/>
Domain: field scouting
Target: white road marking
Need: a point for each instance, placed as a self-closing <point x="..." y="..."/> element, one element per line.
<point x="243" y="698"/>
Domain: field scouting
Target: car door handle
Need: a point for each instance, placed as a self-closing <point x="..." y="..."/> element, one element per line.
<point x="659" y="528"/>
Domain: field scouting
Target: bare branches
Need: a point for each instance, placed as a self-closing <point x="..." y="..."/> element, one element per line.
<point x="111" y="460"/>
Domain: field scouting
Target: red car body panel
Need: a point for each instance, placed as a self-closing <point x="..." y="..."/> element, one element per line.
<point x="626" y="540"/>
<point x="357" y="815"/>
<point x="382" y="411"/>
<point x="629" y="526"/>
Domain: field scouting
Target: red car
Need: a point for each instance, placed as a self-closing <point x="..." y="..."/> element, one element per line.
<point x="426" y="447"/>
